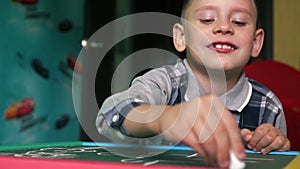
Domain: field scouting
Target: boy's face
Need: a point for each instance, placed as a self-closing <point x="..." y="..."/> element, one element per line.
<point x="219" y="34"/>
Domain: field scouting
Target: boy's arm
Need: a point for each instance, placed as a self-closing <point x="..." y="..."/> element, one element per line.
<point x="202" y="123"/>
<point x="153" y="88"/>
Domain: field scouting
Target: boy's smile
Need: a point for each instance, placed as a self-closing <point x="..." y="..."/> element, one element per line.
<point x="222" y="47"/>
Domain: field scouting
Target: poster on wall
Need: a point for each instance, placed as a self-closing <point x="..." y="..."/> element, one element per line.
<point x="39" y="44"/>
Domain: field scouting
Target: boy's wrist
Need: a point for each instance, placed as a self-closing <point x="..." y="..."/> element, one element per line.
<point x="157" y="119"/>
<point x="165" y="119"/>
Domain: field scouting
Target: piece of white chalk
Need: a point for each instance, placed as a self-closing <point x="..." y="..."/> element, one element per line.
<point x="235" y="163"/>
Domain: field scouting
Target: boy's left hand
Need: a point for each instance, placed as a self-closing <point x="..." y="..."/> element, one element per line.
<point x="266" y="138"/>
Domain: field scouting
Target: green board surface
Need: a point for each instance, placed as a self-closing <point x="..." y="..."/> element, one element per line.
<point x="152" y="155"/>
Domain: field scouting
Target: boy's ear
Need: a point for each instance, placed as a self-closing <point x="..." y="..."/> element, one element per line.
<point x="258" y="42"/>
<point x="178" y="37"/>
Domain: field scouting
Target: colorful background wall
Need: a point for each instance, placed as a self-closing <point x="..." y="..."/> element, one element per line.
<point x="39" y="42"/>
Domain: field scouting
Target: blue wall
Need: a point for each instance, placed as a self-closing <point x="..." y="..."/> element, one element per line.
<point x="28" y="33"/>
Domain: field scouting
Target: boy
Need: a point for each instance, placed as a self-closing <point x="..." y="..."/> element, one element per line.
<point x="185" y="102"/>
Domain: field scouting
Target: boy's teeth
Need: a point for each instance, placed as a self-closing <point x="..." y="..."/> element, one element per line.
<point x="219" y="46"/>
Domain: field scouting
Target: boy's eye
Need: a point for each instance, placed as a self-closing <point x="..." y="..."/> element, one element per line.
<point x="239" y="23"/>
<point x="207" y="21"/>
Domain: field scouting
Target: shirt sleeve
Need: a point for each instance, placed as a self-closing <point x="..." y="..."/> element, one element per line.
<point x="280" y="121"/>
<point x="277" y="117"/>
<point x="152" y="88"/>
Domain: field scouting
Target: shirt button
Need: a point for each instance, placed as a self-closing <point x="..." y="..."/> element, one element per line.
<point x="115" y="118"/>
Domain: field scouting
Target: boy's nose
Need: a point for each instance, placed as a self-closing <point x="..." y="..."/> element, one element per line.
<point x="223" y="28"/>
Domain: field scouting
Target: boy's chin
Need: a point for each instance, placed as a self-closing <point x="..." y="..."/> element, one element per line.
<point x="221" y="70"/>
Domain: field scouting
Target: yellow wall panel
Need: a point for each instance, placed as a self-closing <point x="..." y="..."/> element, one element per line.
<point x="287" y="32"/>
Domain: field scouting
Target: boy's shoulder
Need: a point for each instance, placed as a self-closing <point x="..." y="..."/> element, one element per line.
<point x="176" y="69"/>
<point x="259" y="87"/>
<point x="173" y="71"/>
<point x="261" y="90"/>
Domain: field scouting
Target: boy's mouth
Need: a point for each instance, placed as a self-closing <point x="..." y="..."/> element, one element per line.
<point x="223" y="47"/>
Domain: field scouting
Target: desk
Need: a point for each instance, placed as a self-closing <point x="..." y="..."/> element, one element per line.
<point x="88" y="155"/>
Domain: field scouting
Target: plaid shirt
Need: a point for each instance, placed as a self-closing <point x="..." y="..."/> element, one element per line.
<point x="250" y="102"/>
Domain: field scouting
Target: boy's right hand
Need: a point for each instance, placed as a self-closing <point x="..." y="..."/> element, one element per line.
<point x="205" y="125"/>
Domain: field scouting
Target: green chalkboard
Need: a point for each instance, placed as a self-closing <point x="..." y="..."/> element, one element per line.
<point x="177" y="156"/>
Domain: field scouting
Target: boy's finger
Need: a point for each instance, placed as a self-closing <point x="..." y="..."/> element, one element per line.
<point x="211" y="150"/>
<point x="236" y="143"/>
<point x="192" y="140"/>
<point x="276" y="144"/>
<point x="271" y="139"/>
<point x="258" y="134"/>
<point x="238" y="146"/>
<point x="286" y="146"/>
<point x="246" y="134"/>
<point x="223" y="148"/>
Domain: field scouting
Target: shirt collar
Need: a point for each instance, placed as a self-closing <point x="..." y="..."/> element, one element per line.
<point x="242" y="90"/>
<point x="238" y="97"/>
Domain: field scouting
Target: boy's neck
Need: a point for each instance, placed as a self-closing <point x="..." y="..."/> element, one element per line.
<point x="216" y="82"/>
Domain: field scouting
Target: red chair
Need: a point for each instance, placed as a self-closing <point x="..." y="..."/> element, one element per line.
<point x="292" y="114"/>
<point x="284" y="81"/>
